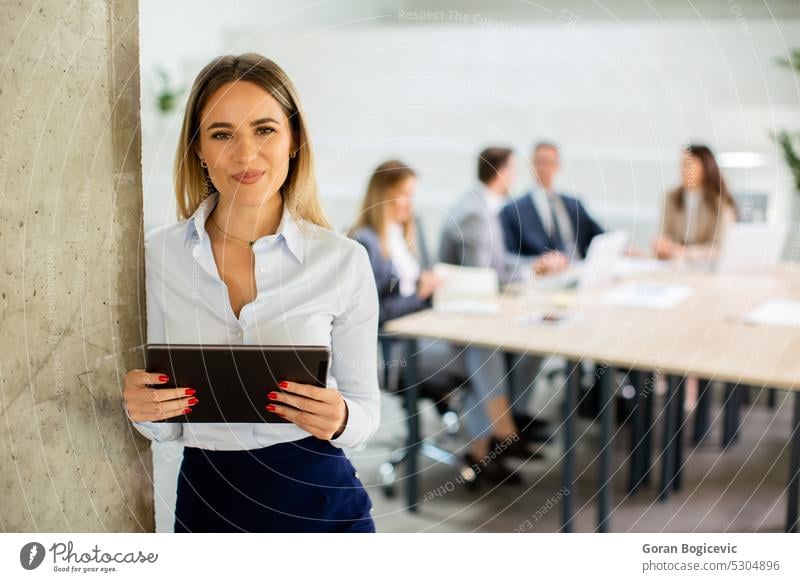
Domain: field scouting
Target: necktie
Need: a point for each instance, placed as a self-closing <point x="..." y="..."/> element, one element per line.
<point x="555" y="232"/>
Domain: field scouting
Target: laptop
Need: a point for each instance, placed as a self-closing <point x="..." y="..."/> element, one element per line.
<point x="751" y="247"/>
<point x="472" y="290"/>
<point x="600" y="266"/>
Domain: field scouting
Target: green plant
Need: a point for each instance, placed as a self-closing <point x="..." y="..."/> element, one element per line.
<point x="793" y="62"/>
<point x="167" y="96"/>
<point x="788" y="141"/>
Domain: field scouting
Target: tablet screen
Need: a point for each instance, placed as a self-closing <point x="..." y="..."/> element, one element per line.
<point x="232" y="381"/>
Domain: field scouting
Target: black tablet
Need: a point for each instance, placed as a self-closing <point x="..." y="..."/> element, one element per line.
<point x="232" y="381"/>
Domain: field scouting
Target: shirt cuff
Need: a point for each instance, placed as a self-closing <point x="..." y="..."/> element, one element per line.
<point x="156" y="431"/>
<point x="521" y="269"/>
<point x="357" y="427"/>
<point x="159" y="432"/>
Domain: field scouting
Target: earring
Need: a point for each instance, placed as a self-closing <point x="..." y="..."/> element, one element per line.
<point x="210" y="189"/>
<point x="293" y="155"/>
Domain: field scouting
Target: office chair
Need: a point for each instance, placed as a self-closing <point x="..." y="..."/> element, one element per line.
<point x="440" y="389"/>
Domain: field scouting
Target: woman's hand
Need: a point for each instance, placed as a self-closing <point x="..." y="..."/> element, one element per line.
<point x="665" y="249"/>
<point x="427" y="284"/>
<point x="636" y="252"/>
<point x="320" y="411"/>
<point x="149" y="404"/>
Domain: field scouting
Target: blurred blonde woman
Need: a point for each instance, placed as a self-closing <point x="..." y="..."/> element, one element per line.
<point x="254" y="261"/>
<point x="387" y="228"/>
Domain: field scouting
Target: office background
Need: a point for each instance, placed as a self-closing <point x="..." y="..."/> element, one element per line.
<point x="620" y="86"/>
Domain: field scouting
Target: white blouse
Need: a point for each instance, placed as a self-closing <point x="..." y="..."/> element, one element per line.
<point x="405" y="263"/>
<point x="691" y="202"/>
<point x="314" y="287"/>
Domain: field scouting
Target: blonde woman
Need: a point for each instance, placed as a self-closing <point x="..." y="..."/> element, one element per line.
<point x="254" y="261"/>
<point x="386" y="227"/>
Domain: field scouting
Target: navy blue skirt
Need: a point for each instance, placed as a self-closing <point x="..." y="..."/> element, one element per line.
<point x="302" y="486"/>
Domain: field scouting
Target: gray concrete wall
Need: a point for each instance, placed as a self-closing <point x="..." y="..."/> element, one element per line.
<point x="71" y="288"/>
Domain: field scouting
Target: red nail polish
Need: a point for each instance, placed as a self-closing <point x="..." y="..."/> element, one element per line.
<point x="187" y="410"/>
<point x="271" y="407"/>
<point x="283" y="384"/>
<point x="190" y="391"/>
<point x="281" y="415"/>
<point x="163" y="378"/>
<point x="272" y="395"/>
<point x="192" y="401"/>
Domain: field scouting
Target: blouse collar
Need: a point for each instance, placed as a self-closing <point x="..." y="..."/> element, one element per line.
<point x="288" y="229"/>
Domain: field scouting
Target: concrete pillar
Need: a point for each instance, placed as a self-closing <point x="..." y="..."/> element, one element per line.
<point x="72" y="288"/>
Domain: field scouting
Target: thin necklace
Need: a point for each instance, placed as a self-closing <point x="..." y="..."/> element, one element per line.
<point x="249" y="243"/>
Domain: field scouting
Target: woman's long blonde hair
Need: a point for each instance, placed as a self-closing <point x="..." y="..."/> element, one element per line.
<point x="373" y="210"/>
<point x="299" y="190"/>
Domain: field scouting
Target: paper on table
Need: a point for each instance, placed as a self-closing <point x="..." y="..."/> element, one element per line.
<point x="628" y="266"/>
<point x="468" y="307"/>
<point x="643" y="294"/>
<point x="783" y="312"/>
<point x="468" y="290"/>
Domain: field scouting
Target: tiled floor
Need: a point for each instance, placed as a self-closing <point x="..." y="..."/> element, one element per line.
<point x="738" y="490"/>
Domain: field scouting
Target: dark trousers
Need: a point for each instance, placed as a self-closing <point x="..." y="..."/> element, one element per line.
<point x="302" y="486"/>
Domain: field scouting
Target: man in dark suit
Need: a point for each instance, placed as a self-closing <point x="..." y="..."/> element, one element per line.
<point x="546" y="224"/>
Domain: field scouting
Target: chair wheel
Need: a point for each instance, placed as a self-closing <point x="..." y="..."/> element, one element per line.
<point x="470" y="477"/>
<point x="387" y="478"/>
<point x="451" y="422"/>
<point x="468" y="474"/>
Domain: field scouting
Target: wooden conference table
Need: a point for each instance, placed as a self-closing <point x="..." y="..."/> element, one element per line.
<point x="705" y="335"/>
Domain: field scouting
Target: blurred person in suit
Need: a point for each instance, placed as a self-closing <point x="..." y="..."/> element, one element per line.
<point x="546" y="224"/>
<point x="473" y="237"/>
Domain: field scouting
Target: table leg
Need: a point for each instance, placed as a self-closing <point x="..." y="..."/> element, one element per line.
<point x="731" y="419"/>
<point x="668" y="440"/>
<point x="702" y="412"/>
<point x="680" y="417"/>
<point x="410" y="393"/>
<point x="572" y="384"/>
<point x="604" y="489"/>
<point x="793" y="490"/>
<point x="637" y="432"/>
<point x="649" y="392"/>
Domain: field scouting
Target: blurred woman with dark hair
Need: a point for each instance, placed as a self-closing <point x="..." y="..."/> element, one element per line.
<point x="697" y="213"/>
